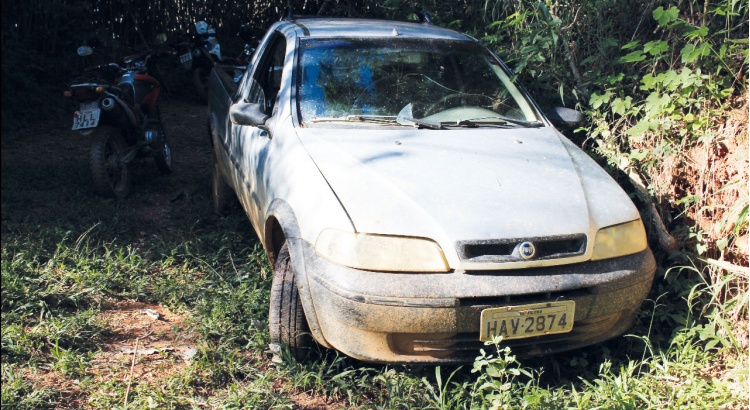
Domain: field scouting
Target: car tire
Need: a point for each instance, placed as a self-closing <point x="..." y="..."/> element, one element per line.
<point x="111" y="176"/>
<point x="287" y="323"/>
<point x="220" y="190"/>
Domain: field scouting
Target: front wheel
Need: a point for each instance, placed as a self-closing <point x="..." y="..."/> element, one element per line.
<point x="111" y="174"/>
<point x="287" y="324"/>
<point x="163" y="153"/>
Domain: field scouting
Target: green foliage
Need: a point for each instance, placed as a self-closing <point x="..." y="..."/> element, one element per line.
<point x="651" y="97"/>
<point x="529" y="39"/>
<point x="19" y="393"/>
<point x="674" y="99"/>
<point x="496" y="386"/>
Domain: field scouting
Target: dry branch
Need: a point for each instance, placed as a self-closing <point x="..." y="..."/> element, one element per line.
<point x="666" y="241"/>
<point x="130" y="376"/>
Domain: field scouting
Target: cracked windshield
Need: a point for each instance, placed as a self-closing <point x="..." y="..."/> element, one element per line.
<point x="407" y="82"/>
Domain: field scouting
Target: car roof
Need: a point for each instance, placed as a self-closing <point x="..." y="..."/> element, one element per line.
<point x="326" y="27"/>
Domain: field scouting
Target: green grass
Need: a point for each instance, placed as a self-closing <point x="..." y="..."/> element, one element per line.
<point x="68" y="256"/>
<point x="51" y="296"/>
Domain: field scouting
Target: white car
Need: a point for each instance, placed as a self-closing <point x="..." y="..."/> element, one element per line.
<point x="415" y="202"/>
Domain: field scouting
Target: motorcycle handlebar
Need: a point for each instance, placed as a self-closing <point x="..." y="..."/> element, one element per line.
<point x="128" y="63"/>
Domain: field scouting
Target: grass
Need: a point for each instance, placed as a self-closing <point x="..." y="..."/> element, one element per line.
<point x="76" y="270"/>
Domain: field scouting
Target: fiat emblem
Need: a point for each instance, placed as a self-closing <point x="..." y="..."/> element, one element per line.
<point x="527" y="250"/>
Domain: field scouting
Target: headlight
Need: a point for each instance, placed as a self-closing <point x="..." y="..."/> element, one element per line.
<point x="620" y="240"/>
<point x="381" y="252"/>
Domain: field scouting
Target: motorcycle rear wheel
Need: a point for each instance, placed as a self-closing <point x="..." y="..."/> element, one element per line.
<point x="111" y="175"/>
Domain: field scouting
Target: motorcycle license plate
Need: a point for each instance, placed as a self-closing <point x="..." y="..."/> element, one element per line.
<point x="185" y="58"/>
<point x="86" y="119"/>
<point x="518" y="322"/>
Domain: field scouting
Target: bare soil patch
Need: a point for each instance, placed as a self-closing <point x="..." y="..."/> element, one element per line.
<point x="148" y="337"/>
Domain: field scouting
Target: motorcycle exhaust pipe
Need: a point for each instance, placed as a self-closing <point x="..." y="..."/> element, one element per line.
<point x="108" y="104"/>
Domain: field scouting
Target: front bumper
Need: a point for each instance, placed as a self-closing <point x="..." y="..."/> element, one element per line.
<point x="435" y="318"/>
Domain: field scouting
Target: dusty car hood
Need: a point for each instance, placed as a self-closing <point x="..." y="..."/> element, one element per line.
<point x="452" y="185"/>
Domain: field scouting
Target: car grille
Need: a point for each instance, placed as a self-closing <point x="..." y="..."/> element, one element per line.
<point x="466" y="346"/>
<point x="509" y="300"/>
<point x="507" y="250"/>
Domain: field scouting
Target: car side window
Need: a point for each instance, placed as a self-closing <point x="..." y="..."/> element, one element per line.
<point x="253" y="92"/>
<point x="262" y="86"/>
<point x="242" y="89"/>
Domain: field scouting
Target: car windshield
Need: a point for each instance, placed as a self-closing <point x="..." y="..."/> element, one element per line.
<point x="406" y="82"/>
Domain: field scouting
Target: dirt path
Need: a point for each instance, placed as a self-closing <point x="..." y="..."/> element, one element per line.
<point x="47" y="179"/>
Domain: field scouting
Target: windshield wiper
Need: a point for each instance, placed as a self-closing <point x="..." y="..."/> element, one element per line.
<point x="499" y="120"/>
<point x="420" y="123"/>
<point x="378" y="119"/>
<point x="381" y="119"/>
<point x="405" y="117"/>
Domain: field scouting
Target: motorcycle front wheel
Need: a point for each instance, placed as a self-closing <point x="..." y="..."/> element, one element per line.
<point x="112" y="176"/>
<point x="163" y="157"/>
<point x="163" y="151"/>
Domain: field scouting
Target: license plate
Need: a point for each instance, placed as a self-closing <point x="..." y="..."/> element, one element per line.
<point x="185" y="58"/>
<point x="86" y="119"/>
<point x="518" y="322"/>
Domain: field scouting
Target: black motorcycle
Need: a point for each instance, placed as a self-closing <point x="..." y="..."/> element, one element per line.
<point x="198" y="52"/>
<point x="118" y="106"/>
<point x="242" y="61"/>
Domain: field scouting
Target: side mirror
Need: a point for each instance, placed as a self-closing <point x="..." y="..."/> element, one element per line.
<point x="249" y="114"/>
<point x="565" y="117"/>
<point x="84" y="51"/>
<point x="160" y="39"/>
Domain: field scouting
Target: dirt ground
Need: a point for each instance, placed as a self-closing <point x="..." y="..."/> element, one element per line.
<point x="50" y="149"/>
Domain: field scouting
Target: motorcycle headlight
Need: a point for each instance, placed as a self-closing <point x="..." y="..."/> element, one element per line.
<point x="381" y="252"/>
<point x="620" y="240"/>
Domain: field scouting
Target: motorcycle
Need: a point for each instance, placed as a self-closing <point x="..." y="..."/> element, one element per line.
<point x="242" y="61"/>
<point x="198" y="54"/>
<point x="118" y="105"/>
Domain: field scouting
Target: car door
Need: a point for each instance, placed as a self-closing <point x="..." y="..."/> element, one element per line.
<point x="251" y="144"/>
